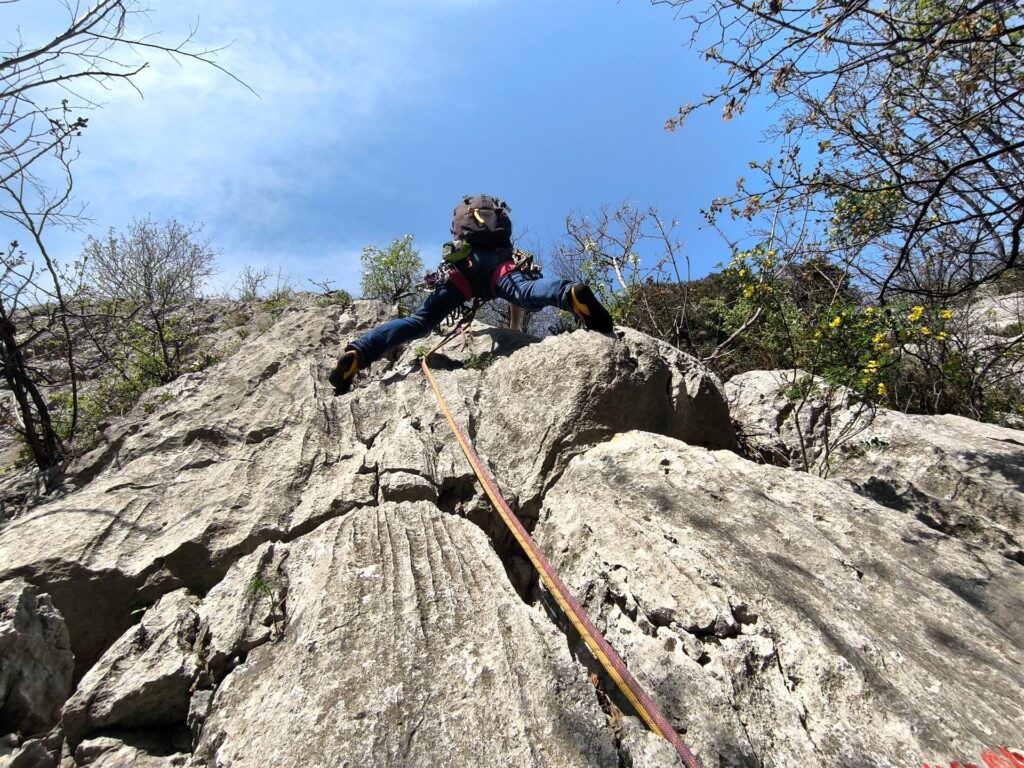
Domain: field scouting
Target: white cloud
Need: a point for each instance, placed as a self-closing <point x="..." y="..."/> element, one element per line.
<point x="201" y="147"/>
<point x="320" y="92"/>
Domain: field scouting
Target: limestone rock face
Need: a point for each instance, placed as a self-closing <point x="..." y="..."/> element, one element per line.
<point x="959" y="476"/>
<point x="109" y="752"/>
<point x="144" y="679"/>
<point x="234" y="464"/>
<point x="562" y="395"/>
<point x="238" y="455"/>
<point x="35" y="659"/>
<point x="782" y="619"/>
<point x="133" y="757"/>
<point x="244" y="611"/>
<point x="404" y="644"/>
<point x="997" y="315"/>
<point x="33" y="753"/>
<point x="258" y="573"/>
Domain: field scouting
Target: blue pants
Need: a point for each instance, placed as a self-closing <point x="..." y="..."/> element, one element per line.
<point x="515" y="287"/>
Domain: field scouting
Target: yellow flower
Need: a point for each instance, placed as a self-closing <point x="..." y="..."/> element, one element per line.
<point x="878" y="338"/>
<point x="743" y="272"/>
<point x="872" y="367"/>
<point x="941" y="335"/>
<point x="748" y="292"/>
<point x="915" y="314"/>
<point x="946" y="314"/>
<point x="925" y="330"/>
<point x="836" y="322"/>
<point x="869" y="311"/>
<point x="881" y="390"/>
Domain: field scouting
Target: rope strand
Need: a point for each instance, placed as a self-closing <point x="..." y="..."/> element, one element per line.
<point x="599" y="647"/>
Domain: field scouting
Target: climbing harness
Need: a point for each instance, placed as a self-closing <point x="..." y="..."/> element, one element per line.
<point x="462" y="316"/>
<point x="603" y="652"/>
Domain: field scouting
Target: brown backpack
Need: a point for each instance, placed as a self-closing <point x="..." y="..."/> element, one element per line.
<point x="483" y="222"/>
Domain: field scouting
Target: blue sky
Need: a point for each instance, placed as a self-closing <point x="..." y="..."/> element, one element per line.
<point x="374" y="118"/>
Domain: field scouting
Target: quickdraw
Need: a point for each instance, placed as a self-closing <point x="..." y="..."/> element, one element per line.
<point x="525" y="263"/>
<point x="599" y="647"/>
<point x="434" y="280"/>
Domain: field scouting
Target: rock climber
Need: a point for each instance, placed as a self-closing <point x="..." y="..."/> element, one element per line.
<point x="481" y="265"/>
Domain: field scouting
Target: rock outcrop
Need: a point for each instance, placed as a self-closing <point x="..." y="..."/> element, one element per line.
<point x="782" y="619"/>
<point x="996" y="315"/>
<point x="405" y="644"/>
<point x="35" y="659"/>
<point x="956" y="475"/>
<point x="258" y="573"/>
<point x="239" y="454"/>
<point x="145" y="679"/>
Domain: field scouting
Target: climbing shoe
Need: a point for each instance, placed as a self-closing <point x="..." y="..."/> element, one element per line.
<point x="344" y="373"/>
<point x="588" y="309"/>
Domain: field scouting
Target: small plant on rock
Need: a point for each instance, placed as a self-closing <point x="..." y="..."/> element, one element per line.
<point x="269" y="590"/>
<point x="480" y="362"/>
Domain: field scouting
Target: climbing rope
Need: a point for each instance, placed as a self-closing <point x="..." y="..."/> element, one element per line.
<point x="595" y="641"/>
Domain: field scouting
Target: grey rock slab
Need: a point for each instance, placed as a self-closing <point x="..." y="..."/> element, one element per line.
<point x="405" y="486"/>
<point x="89" y="750"/>
<point x="145" y="678"/>
<point x="245" y="610"/>
<point x="121" y="748"/>
<point x="781" y="619"/>
<point x="36" y="663"/>
<point x="32" y="754"/>
<point x="999" y="315"/>
<point x="405" y="645"/>
<point x="641" y="747"/>
<point x="250" y="450"/>
<point x="528" y="410"/>
<point x="198" y="711"/>
<point x="535" y="405"/>
<point x="126" y="756"/>
<point x="962" y="477"/>
<point x="36" y="752"/>
<point x="547" y="402"/>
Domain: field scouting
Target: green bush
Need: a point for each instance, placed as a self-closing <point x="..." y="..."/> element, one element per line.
<point x="277" y="301"/>
<point x="827" y="331"/>
<point x="1011" y="281"/>
<point x="692" y="316"/>
<point x="766" y="312"/>
<point x="109" y="398"/>
<point x="338" y="298"/>
<point x="391" y="274"/>
<point x="480" y="362"/>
